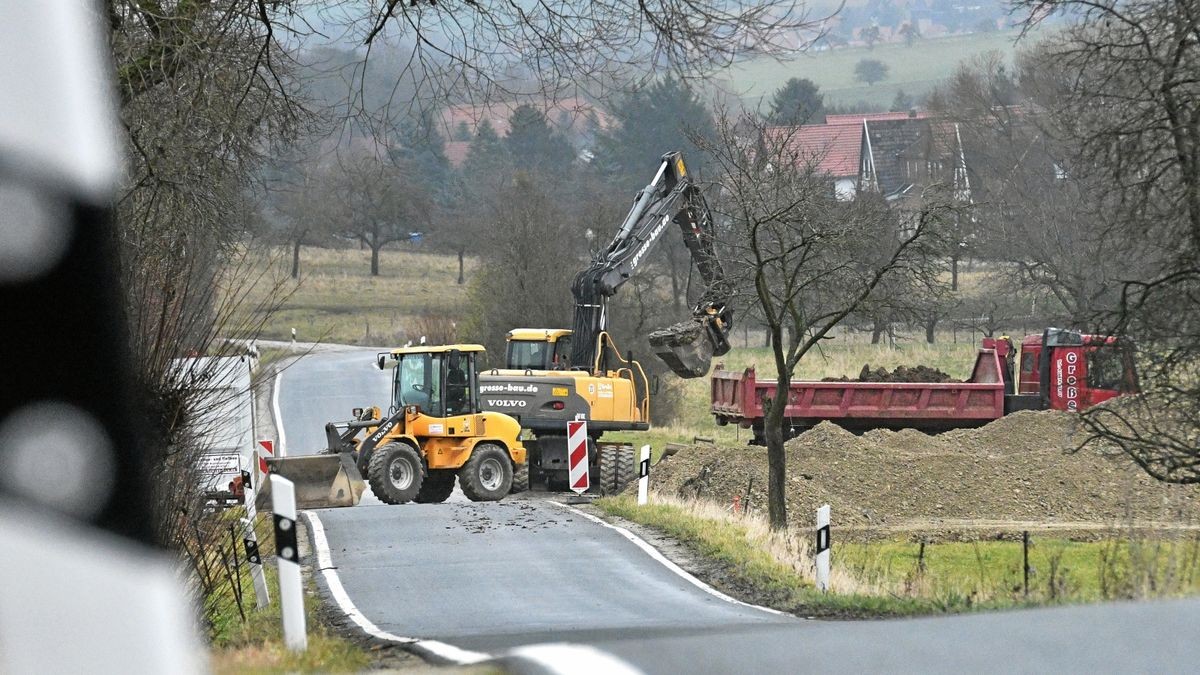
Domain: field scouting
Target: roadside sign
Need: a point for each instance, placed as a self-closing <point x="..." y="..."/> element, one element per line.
<point x="577" y="457"/>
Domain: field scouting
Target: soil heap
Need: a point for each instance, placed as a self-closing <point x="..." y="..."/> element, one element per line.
<point x="900" y="374"/>
<point x="1022" y="468"/>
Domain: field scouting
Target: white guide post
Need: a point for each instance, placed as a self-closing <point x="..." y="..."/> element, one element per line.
<point x="822" y="548"/>
<point x="250" y="540"/>
<point x="644" y="477"/>
<point x="291" y="593"/>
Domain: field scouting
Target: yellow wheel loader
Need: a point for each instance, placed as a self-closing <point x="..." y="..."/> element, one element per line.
<point x="552" y="376"/>
<point x="434" y="434"/>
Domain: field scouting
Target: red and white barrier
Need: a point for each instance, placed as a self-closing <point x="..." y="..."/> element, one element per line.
<point x="577" y="457"/>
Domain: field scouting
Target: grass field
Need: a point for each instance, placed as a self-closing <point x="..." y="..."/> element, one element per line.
<point x="915" y="70"/>
<point x="337" y="300"/>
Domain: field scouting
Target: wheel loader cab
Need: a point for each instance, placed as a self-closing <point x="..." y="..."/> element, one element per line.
<point x="439" y="384"/>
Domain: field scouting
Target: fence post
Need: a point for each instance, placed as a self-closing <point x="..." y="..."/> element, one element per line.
<point x="823" y="548"/>
<point x="644" y="477"/>
<point x="291" y="593"/>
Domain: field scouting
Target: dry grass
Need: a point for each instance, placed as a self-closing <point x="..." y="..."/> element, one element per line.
<point x="896" y="577"/>
<point x="337" y="300"/>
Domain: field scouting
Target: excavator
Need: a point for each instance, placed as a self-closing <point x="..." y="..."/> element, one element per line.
<point x="555" y="375"/>
<point x="551" y="376"/>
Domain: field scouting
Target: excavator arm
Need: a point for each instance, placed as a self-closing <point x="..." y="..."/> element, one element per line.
<point x="688" y="347"/>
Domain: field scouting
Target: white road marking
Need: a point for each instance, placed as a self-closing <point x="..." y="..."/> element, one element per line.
<point x="281" y="443"/>
<point x="438" y="650"/>
<point x="653" y="553"/>
<point x="571" y="659"/>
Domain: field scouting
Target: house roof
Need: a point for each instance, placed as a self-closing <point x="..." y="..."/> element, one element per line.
<point x="834" y="147"/>
<point x="888" y="140"/>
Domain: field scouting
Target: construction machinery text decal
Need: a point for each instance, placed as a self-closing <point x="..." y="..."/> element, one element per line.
<point x="637" y="258"/>
<point x="1066" y="378"/>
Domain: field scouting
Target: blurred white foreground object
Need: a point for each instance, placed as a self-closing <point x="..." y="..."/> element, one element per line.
<point x="76" y="600"/>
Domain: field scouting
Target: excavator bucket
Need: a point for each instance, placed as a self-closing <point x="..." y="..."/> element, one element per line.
<point x="322" y="481"/>
<point x="687" y="348"/>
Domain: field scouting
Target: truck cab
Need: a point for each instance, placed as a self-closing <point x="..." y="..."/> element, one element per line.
<point x="1067" y="370"/>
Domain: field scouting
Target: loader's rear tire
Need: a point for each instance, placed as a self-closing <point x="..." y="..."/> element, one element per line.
<point x="437" y="487"/>
<point x="395" y="473"/>
<point x="520" y="478"/>
<point x="488" y="475"/>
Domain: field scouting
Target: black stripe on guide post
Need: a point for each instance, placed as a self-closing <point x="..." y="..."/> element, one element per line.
<point x="822" y="539"/>
<point x="252" y="551"/>
<point x="644" y="468"/>
<point x="285" y="539"/>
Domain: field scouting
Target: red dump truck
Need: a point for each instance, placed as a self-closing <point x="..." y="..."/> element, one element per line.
<point x="1059" y="370"/>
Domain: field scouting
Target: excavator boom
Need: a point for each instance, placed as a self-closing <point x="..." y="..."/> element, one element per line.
<point x="687" y="348"/>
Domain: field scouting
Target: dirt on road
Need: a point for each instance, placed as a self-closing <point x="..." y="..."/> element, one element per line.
<point x="1022" y="468"/>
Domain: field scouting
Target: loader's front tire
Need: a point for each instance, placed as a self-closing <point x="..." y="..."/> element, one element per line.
<point x="395" y="473"/>
<point x="437" y="487"/>
<point x="488" y="474"/>
<point x="520" y="478"/>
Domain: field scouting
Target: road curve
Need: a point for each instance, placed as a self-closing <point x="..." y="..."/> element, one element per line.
<point x="486" y="576"/>
<point x="491" y="577"/>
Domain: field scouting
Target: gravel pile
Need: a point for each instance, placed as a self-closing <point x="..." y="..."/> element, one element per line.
<point x="1021" y="467"/>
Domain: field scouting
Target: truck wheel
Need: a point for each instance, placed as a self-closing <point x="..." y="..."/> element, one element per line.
<point x="395" y="473"/>
<point x="488" y="475"/>
<point x="436" y="487"/>
<point x="604" y="474"/>
<point x="626" y="468"/>
<point x="520" y="478"/>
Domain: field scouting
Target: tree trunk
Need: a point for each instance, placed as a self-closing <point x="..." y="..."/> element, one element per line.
<point x="296" y="259"/>
<point x="954" y="273"/>
<point x="375" y="260"/>
<point x="773" y="433"/>
<point x="461" y="278"/>
<point x="877" y="329"/>
<point x="930" y="328"/>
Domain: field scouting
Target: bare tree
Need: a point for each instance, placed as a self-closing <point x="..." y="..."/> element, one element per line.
<point x="511" y="49"/>
<point x="807" y="260"/>
<point x="1125" y="97"/>
<point x="377" y="202"/>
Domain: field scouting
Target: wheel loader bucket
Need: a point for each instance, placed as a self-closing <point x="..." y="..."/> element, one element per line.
<point x="322" y="481"/>
<point x="687" y="348"/>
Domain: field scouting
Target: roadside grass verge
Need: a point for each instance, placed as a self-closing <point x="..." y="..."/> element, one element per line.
<point x="763" y="567"/>
<point x="893" y="577"/>
<point x="255" y="644"/>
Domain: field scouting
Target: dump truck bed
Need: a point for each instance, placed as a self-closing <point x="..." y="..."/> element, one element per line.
<point x="737" y="398"/>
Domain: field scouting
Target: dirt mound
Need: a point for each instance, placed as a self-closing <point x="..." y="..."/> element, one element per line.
<point x="900" y="374"/>
<point x="1022" y="467"/>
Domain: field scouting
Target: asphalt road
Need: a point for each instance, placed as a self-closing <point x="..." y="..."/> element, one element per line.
<point x="491" y="577"/>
